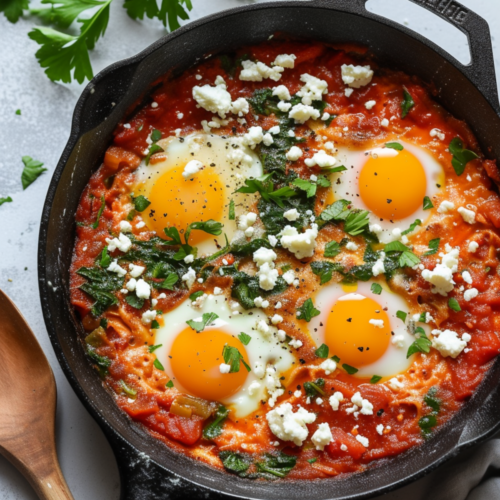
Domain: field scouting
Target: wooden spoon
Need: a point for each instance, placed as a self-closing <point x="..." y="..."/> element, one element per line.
<point x="28" y="406"/>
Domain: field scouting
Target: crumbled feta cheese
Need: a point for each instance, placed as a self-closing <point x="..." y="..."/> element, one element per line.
<point x="282" y="93"/>
<point x="148" y="317"/>
<point x="295" y="343"/>
<point x="377" y="323"/>
<point x="256" y="72"/>
<point x="329" y="366"/>
<point x="253" y="388"/>
<point x="264" y="255"/>
<point x="285" y="60"/>
<point x="321" y="159"/>
<point x="448" y="343"/>
<point x="290" y="426"/>
<point x="473" y="246"/>
<point x="260" y="302"/>
<point x="189" y="277"/>
<point x="278" y="305"/>
<point x="335" y="399"/>
<point x="246" y="220"/>
<point x="313" y="89"/>
<point x="289" y="276"/>
<point x="378" y="267"/>
<point x="294" y="153"/>
<point x="218" y="291"/>
<point x="291" y="215"/>
<point x="188" y="259"/>
<point x="115" y="268"/>
<point x="214" y="99"/>
<point x="322" y="436"/>
<point x="154" y="105"/>
<point x="140" y="224"/>
<point x="435" y="132"/>
<point x="284" y="106"/>
<point x="253" y="137"/>
<point x="363" y="440"/>
<point x="297" y="394"/>
<point x="467" y="277"/>
<point x="442" y="275"/>
<point x="275" y="130"/>
<point x="125" y="226"/>
<point x="370" y="104"/>
<point x="348" y="92"/>
<point x="136" y="271"/>
<point x="121" y="243"/>
<point x="276" y="319"/>
<point x="272" y="240"/>
<point x="325" y="116"/>
<point x="198" y="303"/>
<point x="380" y="429"/>
<point x="142" y="289"/>
<point x="223" y="368"/>
<point x="356" y="76"/>
<point x="258" y="369"/>
<point x="471" y="294"/>
<point x="398" y="341"/>
<point x="352" y="246"/>
<point x="267" y="276"/>
<point x="384" y="122"/>
<point x="395" y="384"/>
<point x="468" y="216"/>
<point x="302" y="112"/>
<point x="300" y="244"/>
<point x="131" y="284"/>
<point x="263" y="328"/>
<point x="240" y="107"/>
<point x="281" y="335"/>
<point x="364" y="404"/>
<point x="268" y="139"/>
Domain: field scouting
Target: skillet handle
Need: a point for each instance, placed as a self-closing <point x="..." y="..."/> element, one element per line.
<point x="481" y="70"/>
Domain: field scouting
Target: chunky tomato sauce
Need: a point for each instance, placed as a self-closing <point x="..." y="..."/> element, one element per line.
<point x="123" y="340"/>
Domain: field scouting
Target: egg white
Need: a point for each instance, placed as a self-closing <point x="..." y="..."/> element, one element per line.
<point x="393" y="361"/>
<point x="259" y="349"/>
<point x="345" y="185"/>
<point x="209" y="149"/>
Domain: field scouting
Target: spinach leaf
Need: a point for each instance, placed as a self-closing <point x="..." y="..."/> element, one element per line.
<point x="214" y="428"/>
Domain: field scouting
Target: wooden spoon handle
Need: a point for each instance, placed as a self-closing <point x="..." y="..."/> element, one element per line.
<point x="53" y="486"/>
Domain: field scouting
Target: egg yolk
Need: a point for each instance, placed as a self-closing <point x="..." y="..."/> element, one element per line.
<point x="195" y="361"/>
<point x="350" y="335"/>
<point x="393" y="188"/>
<point x="178" y="202"/>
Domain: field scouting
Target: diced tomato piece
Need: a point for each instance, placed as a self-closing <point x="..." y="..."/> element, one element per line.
<point x="492" y="169"/>
<point x="116" y="157"/>
<point x="142" y="407"/>
<point x="354" y="448"/>
<point x="182" y="429"/>
<point x="491" y="210"/>
<point x="484" y="347"/>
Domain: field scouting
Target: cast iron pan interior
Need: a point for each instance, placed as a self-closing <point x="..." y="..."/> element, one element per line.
<point x="148" y="469"/>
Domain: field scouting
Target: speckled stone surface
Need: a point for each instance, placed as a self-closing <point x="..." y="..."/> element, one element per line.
<point x="41" y="131"/>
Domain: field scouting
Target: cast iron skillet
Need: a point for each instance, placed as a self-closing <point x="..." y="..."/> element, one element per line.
<point x="148" y="469"/>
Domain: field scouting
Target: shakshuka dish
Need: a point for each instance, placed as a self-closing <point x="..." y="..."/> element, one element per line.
<point x="287" y="263"/>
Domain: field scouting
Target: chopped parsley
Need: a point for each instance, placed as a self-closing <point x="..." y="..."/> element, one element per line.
<point x="349" y="369"/>
<point x="427" y="203"/>
<point x="421" y="343"/>
<point x="31" y="171"/>
<point x="375" y="379"/>
<point x="169" y="384"/>
<point x="158" y="365"/>
<point x="376" y="288"/>
<point x="401" y="315"/>
<point x="314" y="389"/>
<point x="232" y="214"/>
<point x="152" y="348"/>
<point x="233" y="357"/>
<point x="407" y="103"/>
<point x="433" y="246"/>
<point x="394" y="145"/>
<point x="454" y="305"/>
<point x="206" y="319"/>
<point x="141" y="203"/>
<point x="244" y="338"/>
<point x="307" y="311"/>
<point x="322" y="351"/>
<point x="214" y="428"/>
<point x="461" y="156"/>
<point x="332" y="249"/>
<point x="95" y="225"/>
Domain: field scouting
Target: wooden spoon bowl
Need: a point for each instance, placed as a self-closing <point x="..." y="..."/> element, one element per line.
<point x="28" y="405"/>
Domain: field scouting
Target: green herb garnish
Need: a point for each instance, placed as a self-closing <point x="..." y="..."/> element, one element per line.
<point x="206" y="319"/>
<point x="376" y="288"/>
<point x="322" y="351"/>
<point x="307" y="311"/>
<point x="407" y="103"/>
<point x="214" y="428"/>
<point x="31" y="171"/>
<point x="244" y="338"/>
<point x="461" y="156"/>
<point x="233" y="357"/>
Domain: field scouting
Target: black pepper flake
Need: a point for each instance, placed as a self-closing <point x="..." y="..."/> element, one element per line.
<point x="389" y="201"/>
<point x="349" y="320"/>
<point x="302" y="361"/>
<point x="379" y="413"/>
<point x="361" y="349"/>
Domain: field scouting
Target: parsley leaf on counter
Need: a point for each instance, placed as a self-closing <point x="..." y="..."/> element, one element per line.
<point x="461" y="156"/>
<point x="13" y="9"/>
<point x="32" y="170"/>
<point x="62" y="54"/>
<point x="63" y="12"/>
<point x="5" y="200"/>
<point x="307" y="311"/>
<point x="169" y="12"/>
<point x="407" y="103"/>
<point x="199" y="326"/>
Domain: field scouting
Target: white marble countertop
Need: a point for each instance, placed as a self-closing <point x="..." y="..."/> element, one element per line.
<point x="41" y="132"/>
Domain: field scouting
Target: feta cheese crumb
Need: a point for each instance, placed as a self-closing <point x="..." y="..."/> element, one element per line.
<point x="302" y="245"/>
<point x="356" y="76"/>
<point x="217" y="291"/>
<point x="435" y="132"/>
<point x="321" y="159"/>
<point x="246" y="220"/>
<point x="253" y="137"/>
<point x="282" y="93"/>
<point x="121" y="243"/>
<point x="275" y="130"/>
<point x="377" y="323"/>
<point x="285" y="60"/>
<point x="291" y="215"/>
<point x="256" y="72"/>
<point x="148" y="317"/>
<point x="467" y="277"/>
<point x="364" y="404"/>
<point x="329" y="366"/>
<point x="188" y="259"/>
<point x="322" y="436"/>
<point x="142" y="289"/>
<point x="289" y="276"/>
<point x="303" y="112"/>
<point x="473" y="246"/>
<point x="115" y="268"/>
<point x="136" y="271"/>
<point x="214" y="99"/>
<point x="289" y="426"/>
<point x="131" y="284"/>
<point x="448" y="343"/>
<point x="468" y="216"/>
<point x="284" y="106"/>
<point x="313" y="89"/>
<point x="370" y="104"/>
<point x="272" y="240"/>
<point x="253" y="388"/>
<point x="471" y="294"/>
<point x="348" y="92"/>
<point x="335" y="400"/>
<point x="384" y="122"/>
<point x="294" y="153"/>
<point x="445" y="207"/>
<point x="352" y="246"/>
<point x="442" y="275"/>
<point x="343" y="447"/>
<point x="125" y="226"/>
<point x="398" y="341"/>
<point x="380" y="429"/>
<point x="240" y="107"/>
<point x="223" y="368"/>
<point x="363" y="440"/>
<point x="276" y="319"/>
<point x="295" y="343"/>
<point x="190" y="277"/>
<point x="378" y="267"/>
<point x="395" y="384"/>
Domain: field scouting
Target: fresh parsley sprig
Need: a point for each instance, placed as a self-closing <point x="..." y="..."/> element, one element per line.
<point x="461" y="156"/>
<point x="265" y="187"/>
